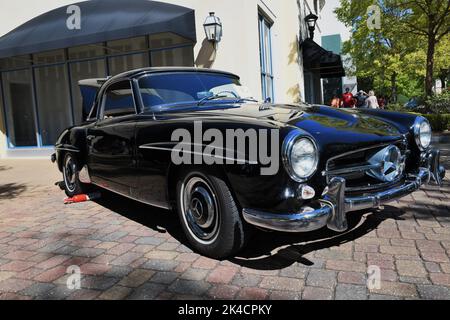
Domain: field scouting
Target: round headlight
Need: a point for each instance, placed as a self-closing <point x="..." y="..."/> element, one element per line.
<point x="300" y="157"/>
<point x="423" y="133"/>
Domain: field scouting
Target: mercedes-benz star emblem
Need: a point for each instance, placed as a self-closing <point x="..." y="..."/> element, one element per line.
<point x="197" y="208"/>
<point x="389" y="164"/>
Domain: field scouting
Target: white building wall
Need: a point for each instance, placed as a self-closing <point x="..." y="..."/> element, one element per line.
<point x="239" y="50"/>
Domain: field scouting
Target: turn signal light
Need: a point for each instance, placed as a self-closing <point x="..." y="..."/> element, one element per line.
<point x="308" y="193"/>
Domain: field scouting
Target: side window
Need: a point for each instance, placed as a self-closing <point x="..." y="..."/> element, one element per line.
<point x="118" y="100"/>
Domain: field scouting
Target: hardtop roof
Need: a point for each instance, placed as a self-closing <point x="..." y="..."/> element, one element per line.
<point x="138" y="72"/>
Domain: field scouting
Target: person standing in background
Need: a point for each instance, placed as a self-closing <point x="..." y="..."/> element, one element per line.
<point x="348" y="101"/>
<point x="382" y="102"/>
<point x="336" y="102"/>
<point x="372" y="101"/>
<point x="361" y="98"/>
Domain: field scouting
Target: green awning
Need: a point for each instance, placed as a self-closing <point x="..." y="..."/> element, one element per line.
<point x="317" y="59"/>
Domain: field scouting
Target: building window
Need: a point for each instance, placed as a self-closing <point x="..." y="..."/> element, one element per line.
<point x="49" y="57"/>
<point x="124" y="61"/>
<point x="128" y="62"/>
<point x="19" y="107"/>
<point x="84" y="69"/>
<point x="265" y="49"/>
<point x="15" y="62"/>
<point x="41" y="96"/>
<point x="173" y="57"/>
<point x="53" y="102"/>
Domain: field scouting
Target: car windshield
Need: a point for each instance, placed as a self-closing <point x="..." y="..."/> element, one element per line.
<point x="161" y="92"/>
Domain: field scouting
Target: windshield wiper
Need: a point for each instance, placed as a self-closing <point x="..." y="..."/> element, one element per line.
<point x="210" y="98"/>
<point x="221" y="96"/>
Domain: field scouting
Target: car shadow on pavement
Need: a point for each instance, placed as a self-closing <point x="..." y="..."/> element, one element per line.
<point x="11" y="190"/>
<point x="275" y="251"/>
<point x="265" y="250"/>
<point x="157" y="219"/>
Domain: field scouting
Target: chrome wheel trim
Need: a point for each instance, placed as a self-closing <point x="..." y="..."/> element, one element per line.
<point x="70" y="174"/>
<point x="200" y="211"/>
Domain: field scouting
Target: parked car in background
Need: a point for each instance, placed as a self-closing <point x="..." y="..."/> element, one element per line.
<point x="413" y="103"/>
<point x="332" y="161"/>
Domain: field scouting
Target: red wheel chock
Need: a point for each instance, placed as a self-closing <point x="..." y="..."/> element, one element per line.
<point x="82" y="198"/>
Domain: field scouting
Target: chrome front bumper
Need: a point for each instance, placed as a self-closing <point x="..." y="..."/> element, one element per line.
<point x="332" y="209"/>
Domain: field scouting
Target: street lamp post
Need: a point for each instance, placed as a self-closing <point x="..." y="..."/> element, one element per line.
<point x="311" y="21"/>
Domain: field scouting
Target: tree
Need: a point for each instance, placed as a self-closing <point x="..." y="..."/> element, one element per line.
<point x="429" y="19"/>
<point x="411" y="42"/>
<point x="376" y="53"/>
<point x="442" y="60"/>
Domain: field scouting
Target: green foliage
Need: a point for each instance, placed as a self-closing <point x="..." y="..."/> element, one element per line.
<point x="397" y="107"/>
<point x="395" y="56"/>
<point x="439" y="103"/>
<point x="439" y="122"/>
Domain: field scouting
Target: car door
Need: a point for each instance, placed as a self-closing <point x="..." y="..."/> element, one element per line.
<point x="111" y="142"/>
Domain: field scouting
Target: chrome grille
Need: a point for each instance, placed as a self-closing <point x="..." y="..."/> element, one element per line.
<point x="354" y="166"/>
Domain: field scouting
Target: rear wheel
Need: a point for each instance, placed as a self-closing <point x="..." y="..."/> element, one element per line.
<point x="209" y="215"/>
<point x="72" y="183"/>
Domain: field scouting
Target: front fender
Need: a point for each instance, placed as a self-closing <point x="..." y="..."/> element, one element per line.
<point x="403" y="121"/>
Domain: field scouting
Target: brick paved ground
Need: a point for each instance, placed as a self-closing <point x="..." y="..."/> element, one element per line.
<point x="128" y="250"/>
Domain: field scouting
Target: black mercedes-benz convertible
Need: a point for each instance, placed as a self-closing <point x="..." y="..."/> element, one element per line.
<point x="195" y="140"/>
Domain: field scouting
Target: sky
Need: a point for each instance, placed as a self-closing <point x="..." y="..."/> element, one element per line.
<point x="15" y="12"/>
<point x="330" y="24"/>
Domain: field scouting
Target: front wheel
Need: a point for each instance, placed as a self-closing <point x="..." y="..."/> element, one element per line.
<point x="72" y="184"/>
<point x="209" y="215"/>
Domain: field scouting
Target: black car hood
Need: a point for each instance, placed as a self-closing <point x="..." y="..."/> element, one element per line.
<point x="333" y="129"/>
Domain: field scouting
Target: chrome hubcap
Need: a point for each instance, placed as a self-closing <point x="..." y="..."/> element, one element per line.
<point x="70" y="177"/>
<point x="200" y="210"/>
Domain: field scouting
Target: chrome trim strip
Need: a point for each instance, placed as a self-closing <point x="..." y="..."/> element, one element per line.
<point x="166" y="207"/>
<point x="351" y="170"/>
<point x="67" y="149"/>
<point x="153" y="147"/>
